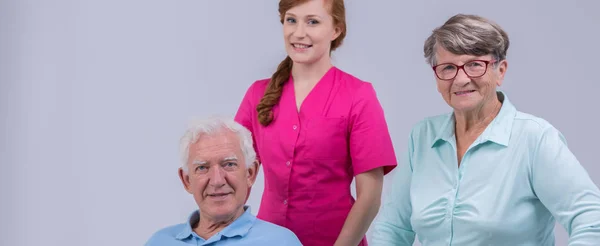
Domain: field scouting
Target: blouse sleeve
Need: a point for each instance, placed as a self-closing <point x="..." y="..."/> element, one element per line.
<point x="392" y="226"/>
<point x="370" y="142"/>
<point x="565" y="188"/>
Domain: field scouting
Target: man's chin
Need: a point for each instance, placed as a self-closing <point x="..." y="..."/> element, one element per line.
<point x="223" y="213"/>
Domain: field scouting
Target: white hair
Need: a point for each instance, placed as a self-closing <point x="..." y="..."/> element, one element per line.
<point x="215" y="125"/>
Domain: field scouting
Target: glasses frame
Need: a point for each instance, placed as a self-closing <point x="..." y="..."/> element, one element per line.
<point x="463" y="68"/>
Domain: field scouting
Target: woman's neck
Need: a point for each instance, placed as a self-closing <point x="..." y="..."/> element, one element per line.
<point x="477" y="120"/>
<point x="310" y="73"/>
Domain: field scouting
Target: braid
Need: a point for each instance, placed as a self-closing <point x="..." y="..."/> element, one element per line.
<point x="273" y="92"/>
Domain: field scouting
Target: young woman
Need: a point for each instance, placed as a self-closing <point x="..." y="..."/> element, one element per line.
<point x="315" y="128"/>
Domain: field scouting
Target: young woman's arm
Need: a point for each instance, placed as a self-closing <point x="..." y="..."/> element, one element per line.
<point x="368" y="199"/>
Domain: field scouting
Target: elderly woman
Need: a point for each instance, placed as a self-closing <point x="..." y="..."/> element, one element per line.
<point x="485" y="174"/>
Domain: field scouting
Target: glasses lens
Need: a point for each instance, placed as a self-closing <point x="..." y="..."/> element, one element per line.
<point x="446" y="71"/>
<point x="475" y="68"/>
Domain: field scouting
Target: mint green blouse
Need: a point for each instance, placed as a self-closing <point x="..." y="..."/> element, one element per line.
<point x="514" y="182"/>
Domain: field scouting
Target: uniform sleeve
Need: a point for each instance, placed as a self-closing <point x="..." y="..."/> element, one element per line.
<point x="246" y="115"/>
<point x="370" y="142"/>
<point x="566" y="189"/>
<point x="393" y="226"/>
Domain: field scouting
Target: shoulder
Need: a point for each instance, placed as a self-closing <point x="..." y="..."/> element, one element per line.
<point x="357" y="91"/>
<point x="273" y="232"/>
<point x="430" y="127"/>
<point x="260" y="84"/>
<point x="352" y="83"/>
<point x="256" y="90"/>
<point x="531" y="124"/>
<point x="535" y="129"/>
<point x="165" y="235"/>
<point x="349" y="79"/>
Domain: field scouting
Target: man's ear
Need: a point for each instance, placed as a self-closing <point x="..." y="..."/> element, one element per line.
<point x="185" y="180"/>
<point x="252" y="172"/>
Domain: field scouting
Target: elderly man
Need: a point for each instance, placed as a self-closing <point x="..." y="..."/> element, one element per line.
<point x="218" y="168"/>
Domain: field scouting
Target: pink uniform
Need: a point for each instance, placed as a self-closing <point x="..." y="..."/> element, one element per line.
<point x="309" y="157"/>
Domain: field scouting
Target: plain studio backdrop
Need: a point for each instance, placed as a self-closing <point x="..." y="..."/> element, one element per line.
<point x="94" y="95"/>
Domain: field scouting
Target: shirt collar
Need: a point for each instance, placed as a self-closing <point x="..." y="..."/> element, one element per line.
<point x="498" y="131"/>
<point x="240" y="227"/>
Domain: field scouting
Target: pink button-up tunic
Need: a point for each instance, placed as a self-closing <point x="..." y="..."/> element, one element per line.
<point x="309" y="157"/>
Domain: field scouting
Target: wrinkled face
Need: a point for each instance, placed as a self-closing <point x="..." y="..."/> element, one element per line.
<point x="217" y="175"/>
<point x="464" y="93"/>
<point x="308" y="30"/>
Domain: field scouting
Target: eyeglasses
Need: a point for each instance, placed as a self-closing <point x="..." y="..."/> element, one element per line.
<point x="473" y="69"/>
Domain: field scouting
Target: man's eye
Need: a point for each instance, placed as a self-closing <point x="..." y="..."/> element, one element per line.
<point x="230" y="166"/>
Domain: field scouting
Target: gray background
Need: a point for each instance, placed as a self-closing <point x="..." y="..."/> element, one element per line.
<point x="94" y="95"/>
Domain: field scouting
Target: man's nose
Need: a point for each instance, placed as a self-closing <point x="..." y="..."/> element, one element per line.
<point x="217" y="176"/>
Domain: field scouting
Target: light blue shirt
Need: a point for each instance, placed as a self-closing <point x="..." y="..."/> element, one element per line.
<point x="513" y="181"/>
<point x="244" y="231"/>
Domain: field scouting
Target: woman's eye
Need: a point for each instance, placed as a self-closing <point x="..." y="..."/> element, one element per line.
<point x="449" y="67"/>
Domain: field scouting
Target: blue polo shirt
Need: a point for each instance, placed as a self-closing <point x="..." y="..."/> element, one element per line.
<point x="245" y="230"/>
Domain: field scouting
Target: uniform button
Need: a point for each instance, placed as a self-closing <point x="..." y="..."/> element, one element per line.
<point x="285" y="201"/>
<point x="295" y="126"/>
<point x="287" y="163"/>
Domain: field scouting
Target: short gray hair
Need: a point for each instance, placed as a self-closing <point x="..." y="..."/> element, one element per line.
<point x="468" y="35"/>
<point x="211" y="126"/>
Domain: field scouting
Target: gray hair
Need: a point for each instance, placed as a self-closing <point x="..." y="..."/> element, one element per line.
<point x="213" y="126"/>
<point x="468" y="35"/>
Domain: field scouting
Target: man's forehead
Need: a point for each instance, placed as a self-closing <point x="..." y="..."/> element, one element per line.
<point x="202" y="159"/>
<point x="218" y="146"/>
<point x="219" y="153"/>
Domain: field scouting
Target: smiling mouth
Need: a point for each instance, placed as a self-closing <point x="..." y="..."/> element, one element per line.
<point x="301" y="46"/>
<point x="218" y="195"/>
<point x="458" y="93"/>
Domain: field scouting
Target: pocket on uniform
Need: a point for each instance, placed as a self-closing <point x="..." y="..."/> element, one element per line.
<point x="327" y="137"/>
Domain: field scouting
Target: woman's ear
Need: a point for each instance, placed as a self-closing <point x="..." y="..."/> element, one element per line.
<point x="502" y="66"/>
<point x="337" y="31"/>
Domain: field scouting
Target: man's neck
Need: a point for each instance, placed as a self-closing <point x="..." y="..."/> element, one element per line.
<point x="209" y="226"/>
